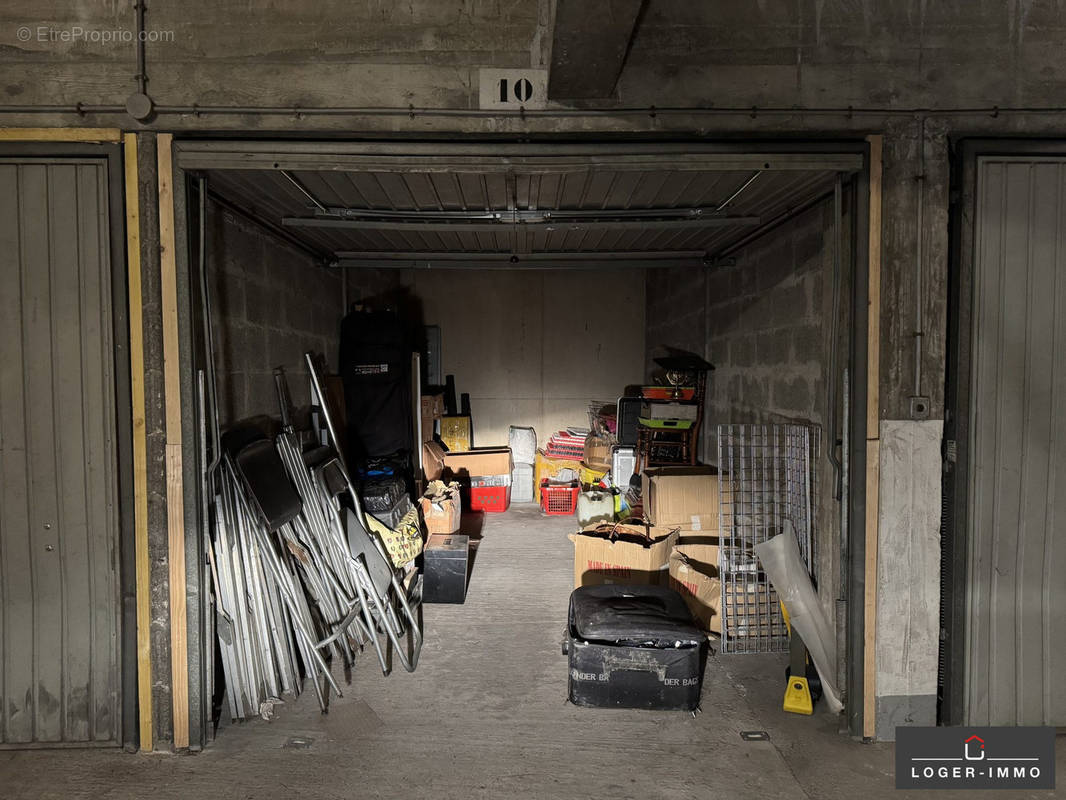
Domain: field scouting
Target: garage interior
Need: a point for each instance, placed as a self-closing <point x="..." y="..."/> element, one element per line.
<point x="549" y="273"/>
<point x="775" y="287"/>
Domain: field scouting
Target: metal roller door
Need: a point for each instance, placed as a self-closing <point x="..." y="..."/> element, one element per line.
<point x="1016" y="592"/>
<point x="59" y="593"/>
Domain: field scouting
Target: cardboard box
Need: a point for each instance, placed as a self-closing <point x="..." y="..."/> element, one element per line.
<point x="694" y="575"/>
<point x="478" y="463"/>
<point x="441" y="507"/>
<point x="432" y="406"/>
<point x="684" y="497"/>
<point x="432" y="410"/>
<point x="432" y="460"/>
<point x="631" y="558"/>
<point x="597" y="453"/>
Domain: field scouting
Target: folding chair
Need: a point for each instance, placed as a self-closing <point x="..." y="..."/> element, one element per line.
<point x="382" y="603"/>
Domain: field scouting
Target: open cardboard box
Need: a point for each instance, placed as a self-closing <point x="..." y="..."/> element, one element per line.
<point x="599" y="560"/>
<point x="477" y="463"/>
<point x="694" y="575"/>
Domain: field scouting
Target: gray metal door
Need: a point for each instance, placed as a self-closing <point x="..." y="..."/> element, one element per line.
<point x="59" y="619"/>
<point x="1016" y="576"/>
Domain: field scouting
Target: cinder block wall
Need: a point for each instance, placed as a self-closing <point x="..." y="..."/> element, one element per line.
<point x="271" y="304"/>
<point x="768" y="328"/>
<point x="765" y="324"/>
<point x="762" y="323"/>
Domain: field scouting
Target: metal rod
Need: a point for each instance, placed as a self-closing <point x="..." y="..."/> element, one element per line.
<point x="652" y="113"/>
<point x="919" y="268"/>
<point x="413" y="221"/>
<point x="276" y="230"/>
<point x="209" y="336"/>
<point x="142" y="61"/>
<point x="773" y="224"/>
<point x="520" y="263"/>
<point x="302" y="189"/>
<point x="834" y="338"/>
<point x="480" y="255"/>
<point x="844" y="478"/>
<point x="737" y="193"/>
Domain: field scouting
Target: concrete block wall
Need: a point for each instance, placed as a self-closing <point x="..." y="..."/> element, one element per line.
<point x="271" y="304"/>
<point x="767" y="328"/>
<point x="762" y="323"/>
<point x="765" y="324"/>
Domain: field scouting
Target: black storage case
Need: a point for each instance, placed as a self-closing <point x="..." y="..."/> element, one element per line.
<point x="445" y="562"/>
<point x="633" y="647"/>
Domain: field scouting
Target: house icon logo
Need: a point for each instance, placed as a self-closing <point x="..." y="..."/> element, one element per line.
<point x="990" y="758"/>
<point x="974" y="748"/>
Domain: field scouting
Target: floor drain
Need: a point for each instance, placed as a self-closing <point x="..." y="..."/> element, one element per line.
<point x="755" y="736"/>
<point x="299" y="742"/>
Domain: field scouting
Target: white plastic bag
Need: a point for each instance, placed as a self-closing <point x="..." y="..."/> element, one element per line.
<point x="781" y="560"/>
<point x="523" y="443"/>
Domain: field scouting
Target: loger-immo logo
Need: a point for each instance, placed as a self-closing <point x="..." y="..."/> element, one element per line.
<point x="975" y="758"/>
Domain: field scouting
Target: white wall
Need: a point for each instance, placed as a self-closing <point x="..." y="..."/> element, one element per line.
<point x="534" y="347"/>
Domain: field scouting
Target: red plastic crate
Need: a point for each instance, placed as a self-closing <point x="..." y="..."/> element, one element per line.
<point x="559" y="500"/>
<point x="667" y="393"/>
<point x="490" y="498"/>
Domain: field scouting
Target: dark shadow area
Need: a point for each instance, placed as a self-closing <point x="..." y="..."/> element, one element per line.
<point x="471" y="524"/>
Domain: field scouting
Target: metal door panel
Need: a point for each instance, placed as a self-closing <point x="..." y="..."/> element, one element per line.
<point x="58" y="521"/>
<point x="1016" y="631"/>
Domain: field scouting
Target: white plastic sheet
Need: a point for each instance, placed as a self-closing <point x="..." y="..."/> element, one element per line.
<point x="781" y="560"/>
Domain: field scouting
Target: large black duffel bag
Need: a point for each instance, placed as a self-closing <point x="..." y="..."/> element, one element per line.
<point x="375" y="365"/>
<point x="633" y="647"/>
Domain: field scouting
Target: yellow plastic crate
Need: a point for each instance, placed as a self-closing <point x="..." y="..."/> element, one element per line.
<point x="588" y="475"/>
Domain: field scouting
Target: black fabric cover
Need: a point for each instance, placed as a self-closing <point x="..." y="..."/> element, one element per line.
<point x="648" y="616"/>
<point x="375" y="365"/>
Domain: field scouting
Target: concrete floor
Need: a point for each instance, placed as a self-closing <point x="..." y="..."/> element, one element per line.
<point x="485" y="716"/>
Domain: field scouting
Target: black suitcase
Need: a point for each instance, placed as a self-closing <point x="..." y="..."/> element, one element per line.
<point x="375" y="365"/>
<point x="633" y="647"/>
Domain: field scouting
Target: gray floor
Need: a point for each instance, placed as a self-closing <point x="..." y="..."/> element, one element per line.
<point x="485" y="717"/>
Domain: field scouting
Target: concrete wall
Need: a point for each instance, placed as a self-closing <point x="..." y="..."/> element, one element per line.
<point x="765" y="324"/>
<point x="534" y="347"/>
<point x="271" y="303"/>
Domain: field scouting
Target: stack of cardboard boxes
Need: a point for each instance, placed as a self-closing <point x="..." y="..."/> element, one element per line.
<point x="485" y="477"/>
<point x="679" y="546"/>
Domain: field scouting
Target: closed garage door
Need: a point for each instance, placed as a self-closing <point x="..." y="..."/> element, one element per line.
<point x="1016" y="628"/>
<point x="59" y="669"/>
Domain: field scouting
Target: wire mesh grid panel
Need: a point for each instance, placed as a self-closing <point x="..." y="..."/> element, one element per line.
<point x="766" y="490"/>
